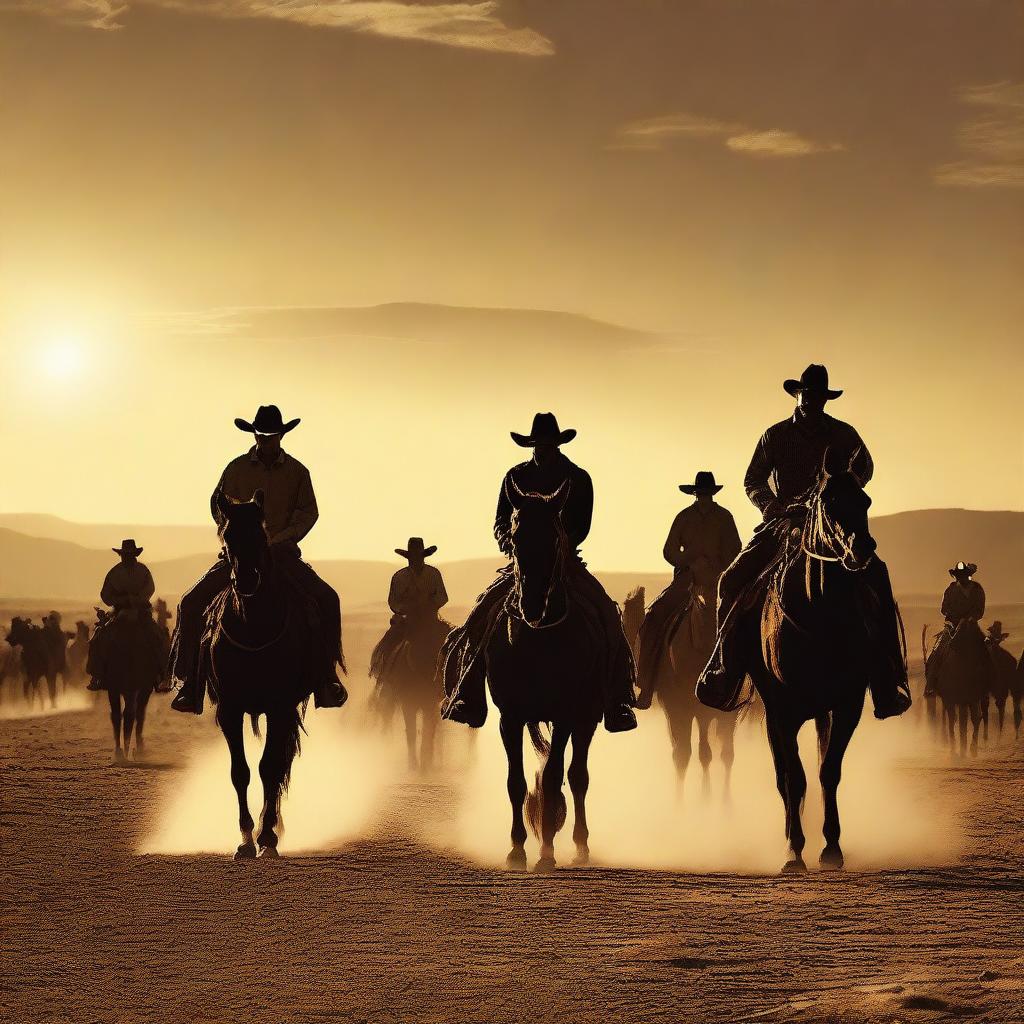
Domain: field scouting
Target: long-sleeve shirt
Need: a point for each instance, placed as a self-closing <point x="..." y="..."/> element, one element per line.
<point x="710" y="533"/>
<point x="963" y="601"/>
<point x="417" y="591"/>
<point x="128" y="585"/>
<point x="289" y="504"/>
<point x="788" y="459"/>
<point x="545" y="478"/>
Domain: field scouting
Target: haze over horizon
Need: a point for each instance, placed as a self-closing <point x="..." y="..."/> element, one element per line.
<point x="201" y="206"/>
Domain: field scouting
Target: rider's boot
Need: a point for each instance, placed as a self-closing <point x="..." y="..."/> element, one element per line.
<point x="468" y="704"/>
<point x="189" y="700"/>
<point x="330" y="694"/>
<point x="619" y="718"/>
<point x="96" y="684"/>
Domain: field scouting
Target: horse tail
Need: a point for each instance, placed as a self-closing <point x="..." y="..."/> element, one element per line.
<point x="292" y="745"/>
<point x="255" y="719"/>
<point x="541" y="743"/>
<point x="823" y="723"/>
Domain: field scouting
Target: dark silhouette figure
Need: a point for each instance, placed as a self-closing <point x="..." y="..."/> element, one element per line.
<point x="809" y="644"/>
<point x="1004" y="667"/>
<point x="57" y="647"/>
<point x="262" y="653"/>
<point x="162" y="617"/>
<point x="678" y="633"/>
<point x="36" y="661"/>
<point x="133" y="665"/>
<point x="78" y="652"/>
<point x="548" y="473"/>
<point x="1017" y="696"/>
<point x="959" y="668"/>
<point x="404" y="662"/>
<point x="546" y="659"/>
<point x="784" y="470"/>
<point x="290" y="511"/>
<point x="127" y="589"/>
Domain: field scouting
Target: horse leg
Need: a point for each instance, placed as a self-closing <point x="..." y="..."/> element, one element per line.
<point x="231" y="726"/>
<point x="792" y="785"/>
<point x="680" y="727"/>
<point x="552" y="797"/>
<point x="512" y="738"/>
<point x="704" y="753"/>
<point x="984" y="710"/>
<point x="1018" y="717"/>
<point x="727" y="734"/>
<point x="278" y="754"/>
<point x="51" y="686"/>
<point x="1001" y="714"/>
<point x="977" y="717"/>
<point x="115" y="720"/>
<point x="579" y="783"/>
<point x="129" y="720"/>
<point x="409" y="716"/>
<point x="141" y="704"/>
<point x="962" y="712"/>
<point x="429" y="736"/>
<point x="840" y="732"/>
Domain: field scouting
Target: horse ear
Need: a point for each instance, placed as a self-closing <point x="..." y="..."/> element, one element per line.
<point x="257" y="497"/>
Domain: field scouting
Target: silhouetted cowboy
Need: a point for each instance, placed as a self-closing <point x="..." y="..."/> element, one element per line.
<point x="786" y="464"/>
<point x="963" y="606"/>
<point x="701" y="543"/>
<point x="128" y="589"/>
<point x="548" y="470"/>
<point x="416" y="596"/>
<point x="290" y="511"/>
<point x="56" y="638"/>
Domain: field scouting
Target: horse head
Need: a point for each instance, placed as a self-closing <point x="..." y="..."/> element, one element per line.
<point x="244" y="538"/>
<point x="539" y="547"/>
<point x="836" y="529"/>
<point x="20" y="631"/>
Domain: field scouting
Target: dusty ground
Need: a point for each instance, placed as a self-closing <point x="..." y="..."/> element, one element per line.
<point x="384" y="927"/>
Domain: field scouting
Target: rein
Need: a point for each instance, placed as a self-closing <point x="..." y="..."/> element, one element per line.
<point x="259" y="647"/>
<point x="557" y="577"/>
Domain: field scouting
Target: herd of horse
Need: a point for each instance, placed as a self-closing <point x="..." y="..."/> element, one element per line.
<point x="804" y="648"/>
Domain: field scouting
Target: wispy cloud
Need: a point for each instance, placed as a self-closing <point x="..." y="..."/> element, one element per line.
<point x="470" y="24"/>
<point x="99" y="14"/>
<point x="659" y="133"/>
<point x="991" y="139"/>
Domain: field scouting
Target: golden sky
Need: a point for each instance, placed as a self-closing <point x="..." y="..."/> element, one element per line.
<point x="192" y="191"/>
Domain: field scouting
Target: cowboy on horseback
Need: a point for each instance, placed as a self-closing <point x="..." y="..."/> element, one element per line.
<point x="127" y="589"/>
<point x="416" y="596"/>
<point x="546" y="473"/>
<point x="290" y="511"/>
<point x="786" y="465"/>
<point x="701" y="543"/>
<point x="963" y="606"/>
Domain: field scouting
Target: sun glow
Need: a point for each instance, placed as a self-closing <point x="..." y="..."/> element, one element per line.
<point x="62" y="355"/>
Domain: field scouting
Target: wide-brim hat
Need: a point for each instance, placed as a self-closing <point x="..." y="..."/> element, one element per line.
<point x="996" y="631"/>
<point x="266" y="421"/>
<point x="416" y="549"/>
<point x="128" y="547"/>
<point x="814" y="378"/>
<point x="545" y="430"/>
<point x="703" y="483"/>
<point x="963" y="569"/>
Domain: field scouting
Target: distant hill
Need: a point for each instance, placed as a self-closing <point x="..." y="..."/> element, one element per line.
<point x="918" y="546"/>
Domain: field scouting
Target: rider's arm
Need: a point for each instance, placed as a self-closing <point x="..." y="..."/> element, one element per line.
<point x="217" y="491"/>
<point x="861" y="464"/>
<point x="503" y="518"/>
<point x="304" y="516"/>
<point x="759" y="472"/>
<point x="978" y="611"/>
<point x="440" y="593"/>
<point x="672" y="552"/>
<point x="395" y="594"/>
<point x="729" y="543"/>
<point x="578" y="513"/>
<point x="109" y="593"/>
<point x="145" y="593"/>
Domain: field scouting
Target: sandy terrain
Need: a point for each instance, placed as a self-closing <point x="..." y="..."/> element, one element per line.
<point x="391" y="904"/>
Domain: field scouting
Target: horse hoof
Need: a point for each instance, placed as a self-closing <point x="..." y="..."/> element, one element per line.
<point x="831" y="859"/>
<point x="268" y="853"/>
<point x="796" y="866"/>
<point x="544" y="866"/>
<point x="516" y="860"/>
<point x="582" y="858"/>
<point x="247" y="851"/>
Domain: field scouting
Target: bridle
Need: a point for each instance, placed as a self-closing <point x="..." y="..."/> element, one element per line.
<point x="557" y="571"/>
<point x="816" y="523"/>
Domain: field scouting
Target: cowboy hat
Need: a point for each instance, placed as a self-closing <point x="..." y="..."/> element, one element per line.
<point x="545" y="430"/>
<point x="266" y="421"/>
<point x="127" y="548"/>
<point x="963" y="569"/>
<point x="996" y="631"/>
<point x="703" y="483"/>
<point x="416" y="549"/>
<point x="814" y="378"/>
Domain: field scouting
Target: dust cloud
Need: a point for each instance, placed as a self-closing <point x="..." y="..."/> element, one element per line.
<point x="351" y="782"/>
<point x="73" y="700"/>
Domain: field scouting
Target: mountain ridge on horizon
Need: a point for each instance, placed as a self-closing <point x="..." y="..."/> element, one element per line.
<point x="918" y="545"/>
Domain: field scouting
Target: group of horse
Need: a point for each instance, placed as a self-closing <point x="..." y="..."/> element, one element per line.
<point x="35" y="656"/>
<point x="969" y="680"/>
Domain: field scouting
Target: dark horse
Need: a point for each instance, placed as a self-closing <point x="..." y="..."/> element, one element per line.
<point x="407" y="677"/>
<point x="806" y="644"/>
<point x="36" y="661"/>
<point x="962" y="681"/>
<point x="545" y="665"/>
<point x="131" y="671"/>
<point x="260" y="657"/>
